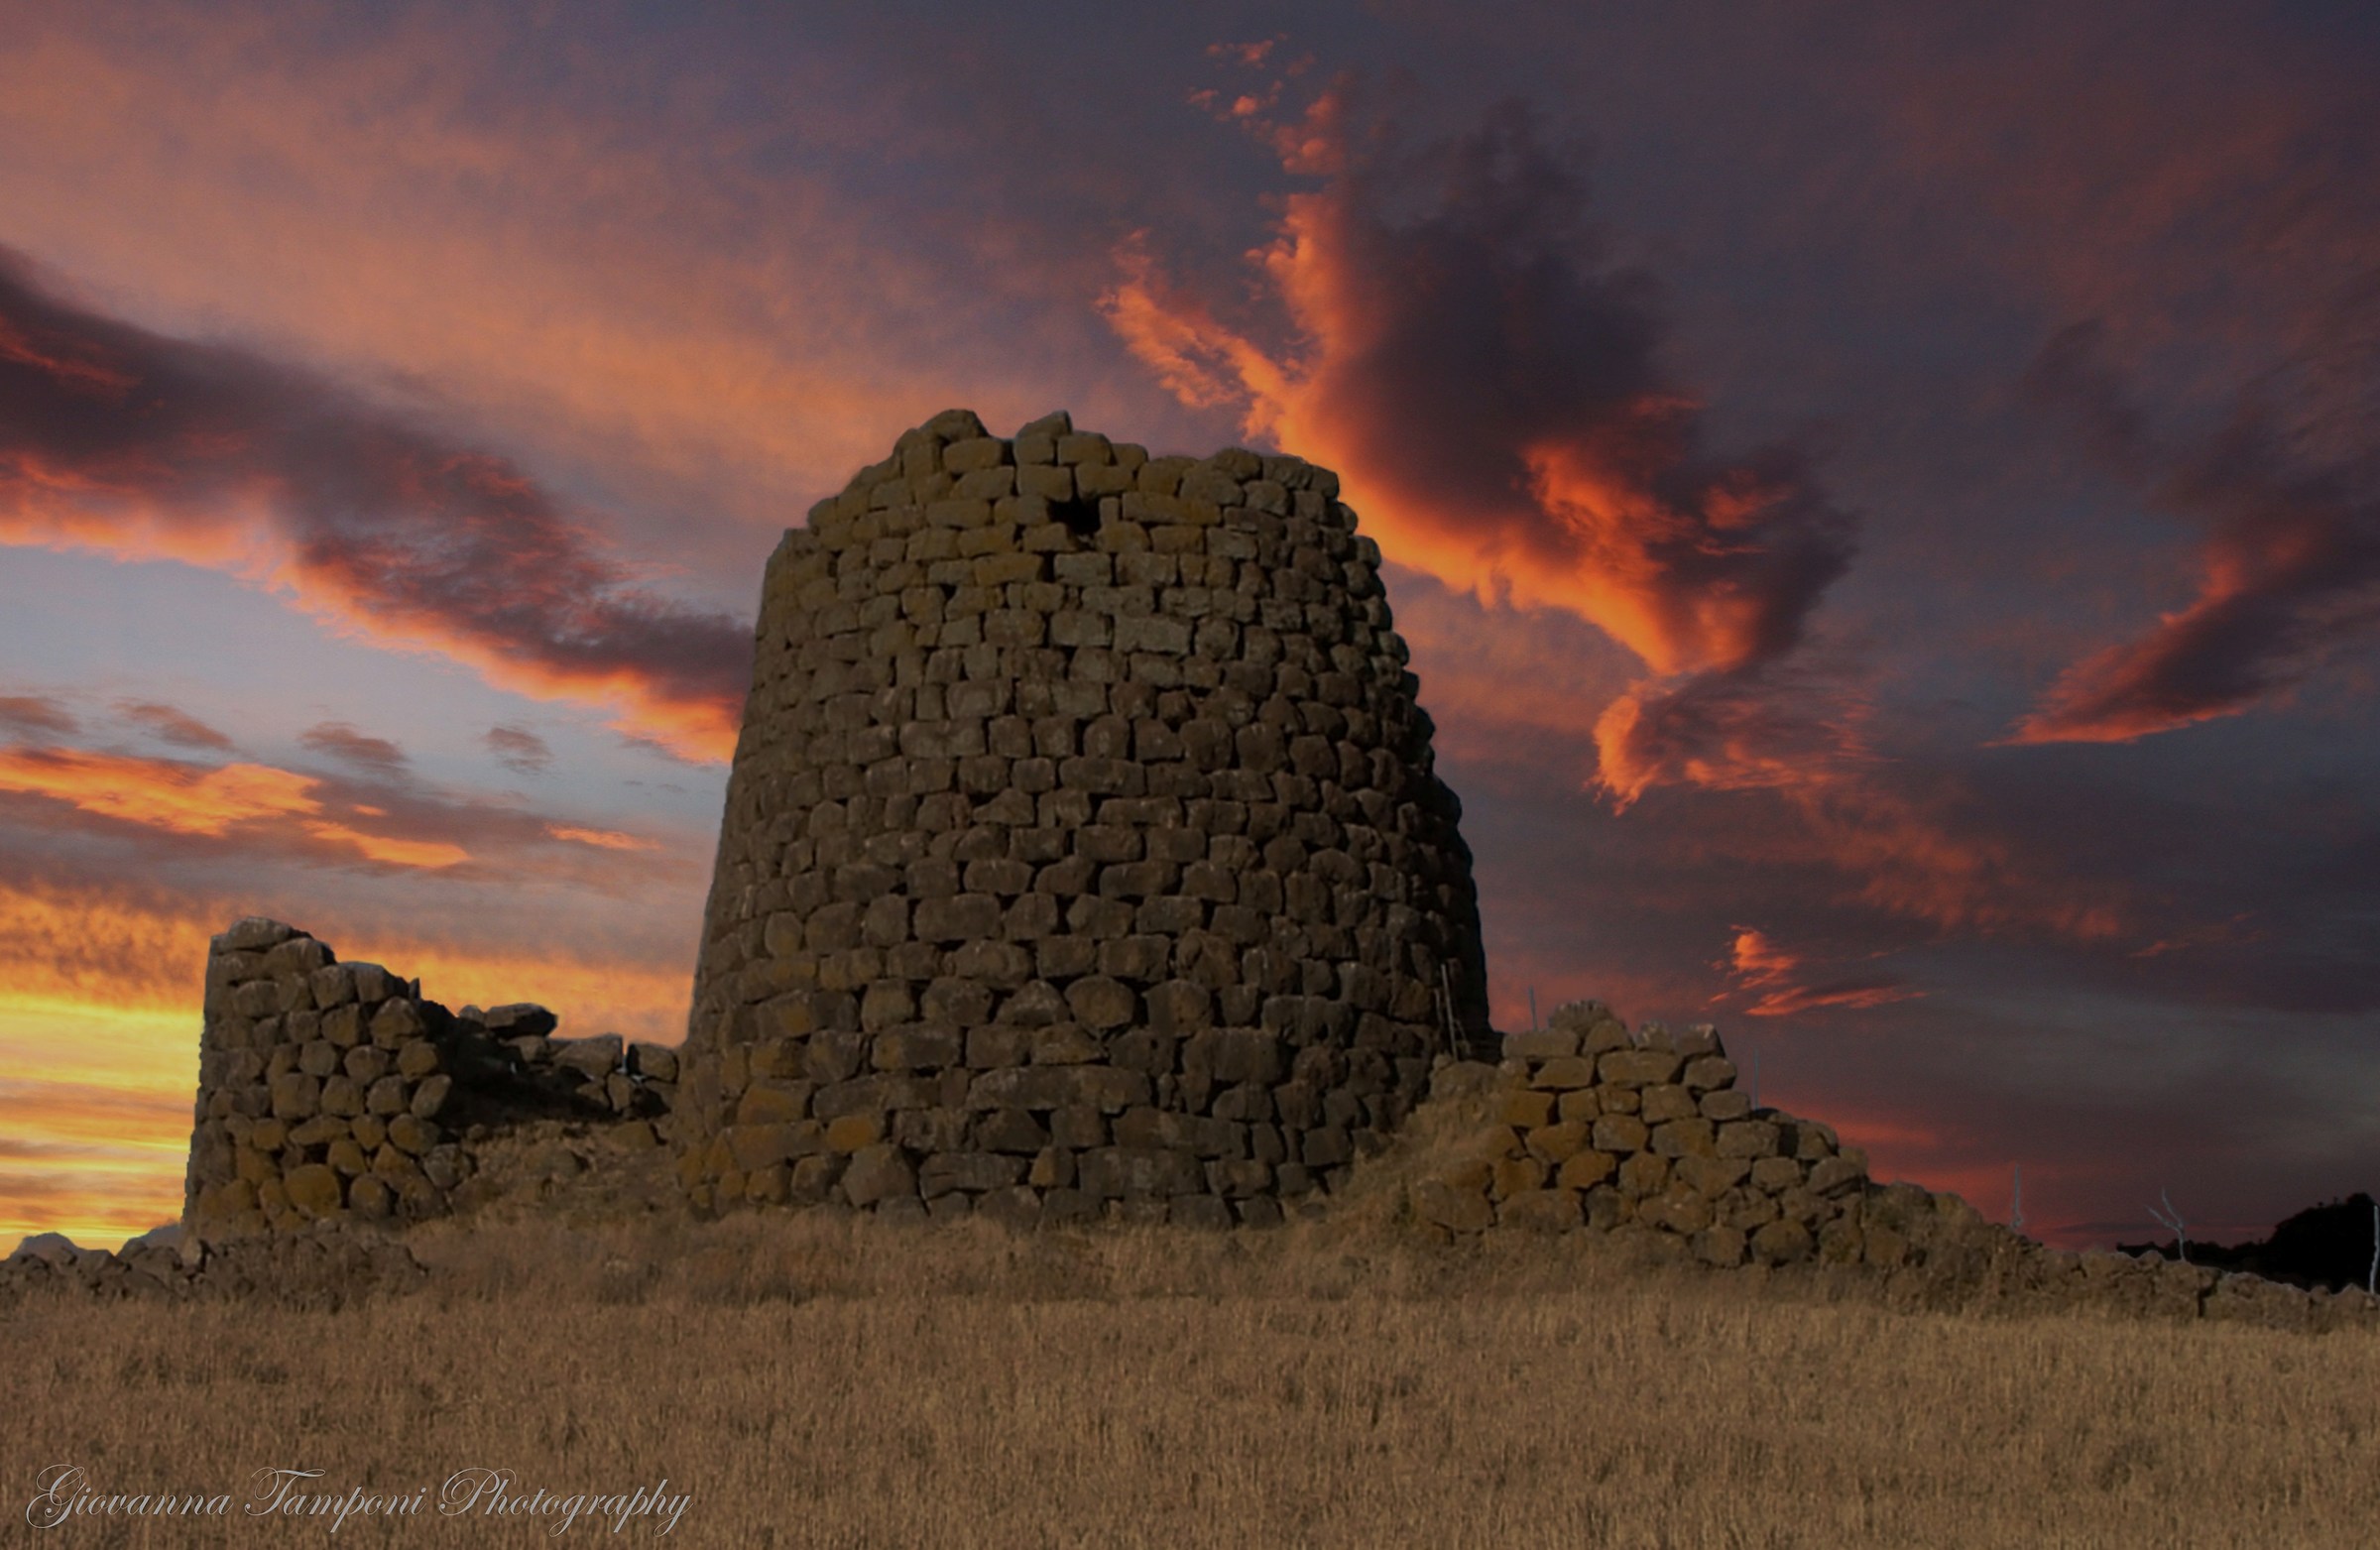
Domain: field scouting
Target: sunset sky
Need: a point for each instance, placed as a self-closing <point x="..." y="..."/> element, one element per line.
<point x="1885" y="500"/>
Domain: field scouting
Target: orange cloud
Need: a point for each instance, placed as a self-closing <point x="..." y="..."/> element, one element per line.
<point x="373" y="523"/>
<point x="158" y="793"/>
<point x="2284" y="487"/>
<point x="1494" y="401"/>
<point x="602" y="839"/>
<point x="82" y="945"/>
<point x="427" y="854"/>
<point x="1758" y="963"/>
<point x="392" y="203"/>
<point x="178" y="798"/>
<point x="1494" y="396"/>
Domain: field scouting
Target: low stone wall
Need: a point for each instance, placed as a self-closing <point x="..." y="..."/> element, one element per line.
<point x="331" y="1092"/>
<point x="1593" y="1126"/>
<point x="1643" y="1136"/>
<point x="312" y="1270"/>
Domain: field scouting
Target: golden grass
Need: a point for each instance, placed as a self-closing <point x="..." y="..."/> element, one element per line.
<point x="818" y="1381"/>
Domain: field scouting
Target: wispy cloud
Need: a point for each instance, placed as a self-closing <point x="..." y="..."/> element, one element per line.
<point x="519" y="750"/>
<point x="338" y="739"/>
<point x="132" y="444"/>
<point x="35" y="715"/>
<point x="173" y="726"/>
<point x="2288" y="486"/>
<point x="1779" y="983"/>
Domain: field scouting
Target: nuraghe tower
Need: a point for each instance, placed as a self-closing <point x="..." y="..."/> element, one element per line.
<point x="1082" y="854"/>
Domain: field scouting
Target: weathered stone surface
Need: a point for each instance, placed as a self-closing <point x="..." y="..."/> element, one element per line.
<point x="1114" y="1172"/>
<point x="1782" y="1242"/>
<point x="969" y="1170"/>
<point x="1101" y="764"/>
<point x="1542" y="1044"/>
<point x="1748" y="1138"/>
<point x="430" y="1098"/>
<point x="1637" y="1067"/>
<point x="1619" y="1133"/>
<point x="1587" y="1169"/>
<point x="1720" y="1245"/>
<point x="1102" y="1087"/>
<point x="878" y="1173"/>
<point x="595" y="1058"/>
<point x="314" y="1190"/>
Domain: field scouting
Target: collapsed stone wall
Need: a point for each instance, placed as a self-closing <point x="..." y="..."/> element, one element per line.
<point x="1083" y="852"/>
<point x="331" y="1092"/>
<point x="1589" y="1125"/>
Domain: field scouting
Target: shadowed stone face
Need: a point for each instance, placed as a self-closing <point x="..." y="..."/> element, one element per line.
<point x="1080" y="791"/>
<point x="380" y="1117"/>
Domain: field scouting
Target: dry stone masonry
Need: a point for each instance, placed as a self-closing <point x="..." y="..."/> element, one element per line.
<point x="1083" y="858"/>
<point x="331" y="1092"/>
<point x="1083" y="853"/>
<point x="1593" y="1125"/>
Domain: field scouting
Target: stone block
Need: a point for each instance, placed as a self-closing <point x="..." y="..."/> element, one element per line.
<point x="1678" y="1209"/>
<point x="1100" y="1002"/>
<point x="397" y="1023"/>
<point x="1722" y="1106"/>
<point x="855" y="1131"/>
<point x="1748" y="1138"/>
<point x="1527" y="1109"/>
<point x="943" y="1172"/>
<point x="1103" y="1089"/>
<point x="1782" y="1242"/>
<point x="1637" y="1067"/>
<point x="1669" y="1101"/>
<point x="1555" y="1144"/>
<point x="1510" y="1176"/>
<point x="1150" y="1128"/>
<point x="594" y="1058"/>
<point x="1542" y="1044"/>
<point x="1114" y="1172"/>
<point x="1708" y="1073"/>
<point x="917" y="1048"/>
<point x="658" y="1062"/>
<point x="1835" y="1175"/>
<point x="1011" y="1131"/>
<point x="1712" y="1175"/>
<point x="1584" y="1170"/>
<point x="1564" y="1073"/>
<point x="878" y="1174"/>
<point x="1235" y="1055"/>
<point x="296" y="1096"/>
<point x="1720" y="1245"/>
<point x="1685" y="1138"/>
<point x="314" y="1190"/>
<point x="1619" y="1133"/>
<point x="1643" y="1175"/>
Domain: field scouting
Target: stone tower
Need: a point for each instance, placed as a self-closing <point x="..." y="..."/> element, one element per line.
<point x="1082" y="852"/>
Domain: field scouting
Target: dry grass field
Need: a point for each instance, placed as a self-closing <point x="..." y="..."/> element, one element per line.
<point x="839" y="1383"/>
